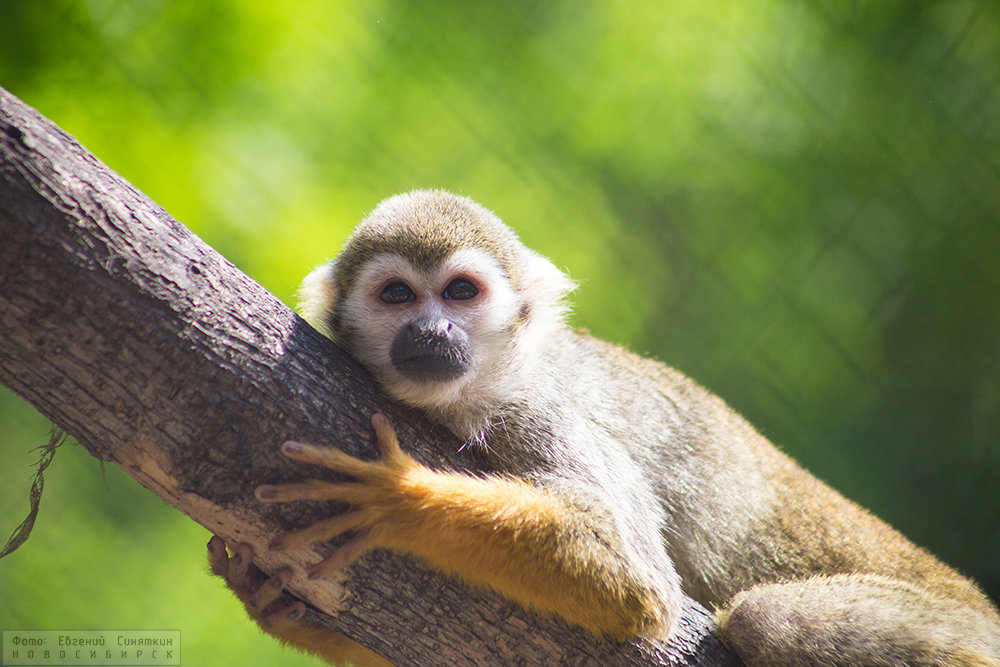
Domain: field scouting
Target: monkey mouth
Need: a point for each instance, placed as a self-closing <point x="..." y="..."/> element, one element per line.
<point x="432" y="367"/>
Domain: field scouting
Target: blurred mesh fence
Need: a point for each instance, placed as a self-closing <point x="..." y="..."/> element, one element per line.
<point x="795" y="204"/>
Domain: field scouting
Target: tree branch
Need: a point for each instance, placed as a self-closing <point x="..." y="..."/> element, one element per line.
<point x="134" y="336"/>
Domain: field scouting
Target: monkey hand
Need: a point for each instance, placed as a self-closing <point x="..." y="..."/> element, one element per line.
<point x="278" y="614"/>
<point x="523" y="542"/>
<point x="262" y="596"/>
<point x="376" y="497"/>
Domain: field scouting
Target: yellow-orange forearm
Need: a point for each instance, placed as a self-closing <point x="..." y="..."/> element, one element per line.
<point x="498" y="532"/>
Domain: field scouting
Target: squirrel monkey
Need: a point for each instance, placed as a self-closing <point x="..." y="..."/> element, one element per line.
<point x="613" y="482"/>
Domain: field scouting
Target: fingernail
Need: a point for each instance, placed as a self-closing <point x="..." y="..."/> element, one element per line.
<point x="292" y="447"/>
<point x="314" y="575"/>
<point x="277" y="544"/>
<point x="265" y="493"/>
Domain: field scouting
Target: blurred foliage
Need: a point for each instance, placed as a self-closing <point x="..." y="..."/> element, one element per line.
<point x="795" y="203"/>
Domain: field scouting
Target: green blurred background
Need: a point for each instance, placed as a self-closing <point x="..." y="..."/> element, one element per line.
<point x="795" y="203"/>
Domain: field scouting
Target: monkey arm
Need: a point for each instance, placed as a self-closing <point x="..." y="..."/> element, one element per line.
<point x="498" y="532"/>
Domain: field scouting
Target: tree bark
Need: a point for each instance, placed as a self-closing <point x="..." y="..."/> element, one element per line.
<point x="157" y="354"/>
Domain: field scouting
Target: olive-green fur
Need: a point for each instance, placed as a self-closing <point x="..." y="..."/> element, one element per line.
<point x="425" y="228"/>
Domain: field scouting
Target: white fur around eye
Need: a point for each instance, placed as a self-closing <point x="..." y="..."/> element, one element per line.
<point x="377" y="273"/>
<point x="492" y="282"/>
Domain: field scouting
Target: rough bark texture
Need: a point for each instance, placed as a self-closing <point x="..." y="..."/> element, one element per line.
<point x="157" y="354"/>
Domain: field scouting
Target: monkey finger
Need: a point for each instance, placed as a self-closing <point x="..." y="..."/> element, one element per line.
<point x="328" y="457"/>
<point x="218" y="558"/>
<point x="321" y="530"/>
<point x="385" y="438"/>
<point x="314" y="490"/>
<point x="284" y="615"/>
<point x="270" y="591"/>
<point x="340" y="559"/>
<point x="239" y="564"/>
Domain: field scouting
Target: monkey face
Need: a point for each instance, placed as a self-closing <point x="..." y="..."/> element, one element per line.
<point x="428" y="333"/>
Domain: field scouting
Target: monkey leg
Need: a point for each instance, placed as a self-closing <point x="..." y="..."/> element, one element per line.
<point x="857" y="620"/>
<point x="498" y="532"/>
<point x="278" y="615"/>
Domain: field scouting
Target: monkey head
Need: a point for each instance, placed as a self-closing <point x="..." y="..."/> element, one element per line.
<point x="439" y="299"/>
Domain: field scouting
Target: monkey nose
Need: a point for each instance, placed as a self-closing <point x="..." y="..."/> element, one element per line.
<point x="430" y="326"/>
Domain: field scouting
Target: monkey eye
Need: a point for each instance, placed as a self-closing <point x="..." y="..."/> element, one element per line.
<point x="460" y="289"/>
<point x="397" y="292"/>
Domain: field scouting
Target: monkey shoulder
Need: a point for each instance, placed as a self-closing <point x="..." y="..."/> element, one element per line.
<point x="676" y="410"/>
<point x="715" y="479"/>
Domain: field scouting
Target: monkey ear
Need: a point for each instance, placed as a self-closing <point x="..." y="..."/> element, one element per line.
<point x="318" y="296"/>
<point x="543" y="284"/>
